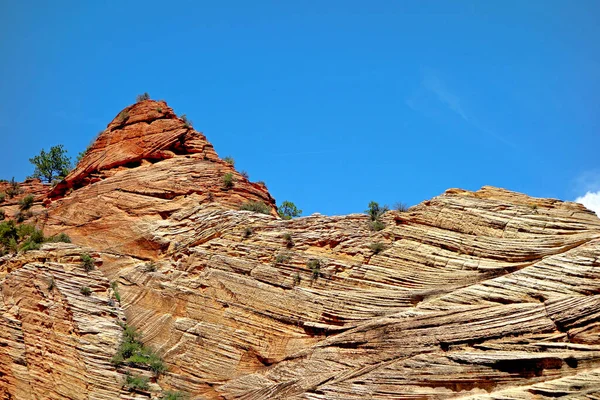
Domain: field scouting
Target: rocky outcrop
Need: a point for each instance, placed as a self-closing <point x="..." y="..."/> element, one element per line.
<point x="13" y="193"/>
<point x="486" y="294"/>
<point x="145" y="166"/>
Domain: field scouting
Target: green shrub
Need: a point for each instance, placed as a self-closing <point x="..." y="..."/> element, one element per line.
<point x="87" y="262"/>
<point x="86" y="291"/>
<point x="377" y="248"/>
<point x="2" y="197"/>
<point x="245" y="175"/>
<point x="376" y="225"/>
<point x="228" y="180"/>
<point x="22" y="237"/>
<point x="150" y="267"/>
<point x="375" y="211"/>
<point x="287" y="238"/>
<point x="315" y="267"/>
<point x="29" y="245"/>
<point x="297" y="279"/>
<point x="159" y="109"/>
<point x="2" y="214"/>
<point x="156" y="364"/>
<point x="248" y="232"/>
<point x="51" y="284"/>
<point x="115" y="287"/>
<point x="30" y="237"/>
<point x="61" y="237"/>
<point x="401" y="207"/>
<point x="186" y="122"/>
<point x="21" y="216"/>
<point x="170" y="395"/>
<point x="142" y="97"/>
<point x="136" y="382"/>
<point x="133" y="352"/>
<point x="54" y="165"/>
<point x="261" y="183"/>
<point x="282" y="258"/>
<point x="288" y="210"/>
<point x="256" y="206"/>
<point x="14" y="189"/>
<point x="8" y="237"/>
<point x="26" y="202"/>
<point x="229" y="160"/>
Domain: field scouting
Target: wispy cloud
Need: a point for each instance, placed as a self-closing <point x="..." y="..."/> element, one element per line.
<point x="432" y="84"/>
<point x="435" y="85"/>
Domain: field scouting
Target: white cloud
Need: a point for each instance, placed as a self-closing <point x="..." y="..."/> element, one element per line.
<point x="591" y="200"/>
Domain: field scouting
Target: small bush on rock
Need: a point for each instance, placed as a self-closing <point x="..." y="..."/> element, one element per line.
<point x="133" y="352"/>
<point x="282" y="258"/>
<point x="26" y="202"/>
<point x="186" y="122"/>
<point x="142" y="97"/>
<point x="256" y="206"/>
<point x="170" y="395"/>
<point x="315" y="267"/>
<point x="287" y="238"/>
<point x="14" y="189"/>
<point x="86" y="291"/>
<point x="136" y="382"/>
<point x="229" y="160"/>
<point x="377" y="248"/>
<point x="228" y="180"/>
<point x="87" y="262"/>
<point x="115" y="287"/>
<point x="375" y="211"/>
<point x="401" y="207"/>
<point x="61" y="237"/>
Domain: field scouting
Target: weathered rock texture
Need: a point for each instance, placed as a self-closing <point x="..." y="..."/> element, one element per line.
<point x="145" y="166"/>
<point x="488" y="295"/>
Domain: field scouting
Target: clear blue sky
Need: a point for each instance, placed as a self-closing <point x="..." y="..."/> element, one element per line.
<point x="331" y="103"/>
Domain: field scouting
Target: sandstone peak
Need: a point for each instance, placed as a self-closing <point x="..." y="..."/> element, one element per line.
<point x="146" y="165"/>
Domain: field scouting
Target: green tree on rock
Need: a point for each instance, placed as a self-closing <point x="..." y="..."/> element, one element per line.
<point x="288" y="210"/>
<point x="52" y="165"/>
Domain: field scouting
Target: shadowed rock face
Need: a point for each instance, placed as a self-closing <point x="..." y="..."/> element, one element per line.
<point x="487" y="294"/>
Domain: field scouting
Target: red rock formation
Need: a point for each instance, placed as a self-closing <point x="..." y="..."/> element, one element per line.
<point x="33" y="187"/>
<point x="144" y="167"/>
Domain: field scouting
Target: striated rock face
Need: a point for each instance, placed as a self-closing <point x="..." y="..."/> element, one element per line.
<point x="144" y="167"/>
<point x="486" y="295"/>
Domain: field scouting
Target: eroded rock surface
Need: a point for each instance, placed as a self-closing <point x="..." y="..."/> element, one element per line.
<point x="486" y="295"/>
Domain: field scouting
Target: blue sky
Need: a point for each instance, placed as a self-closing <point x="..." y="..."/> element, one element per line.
<point x="332" y="104"/>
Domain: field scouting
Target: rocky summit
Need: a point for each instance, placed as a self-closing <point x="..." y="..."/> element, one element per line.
<point x="169" y="290"/>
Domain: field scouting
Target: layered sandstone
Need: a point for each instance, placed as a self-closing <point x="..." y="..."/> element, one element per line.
<point x="486" y="294"/>
<point x="145" y="166"/>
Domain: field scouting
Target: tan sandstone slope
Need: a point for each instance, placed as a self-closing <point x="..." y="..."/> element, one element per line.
<point x="487" y="294"/>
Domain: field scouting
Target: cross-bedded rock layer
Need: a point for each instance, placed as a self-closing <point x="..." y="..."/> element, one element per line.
<point x="489" y="294"/>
